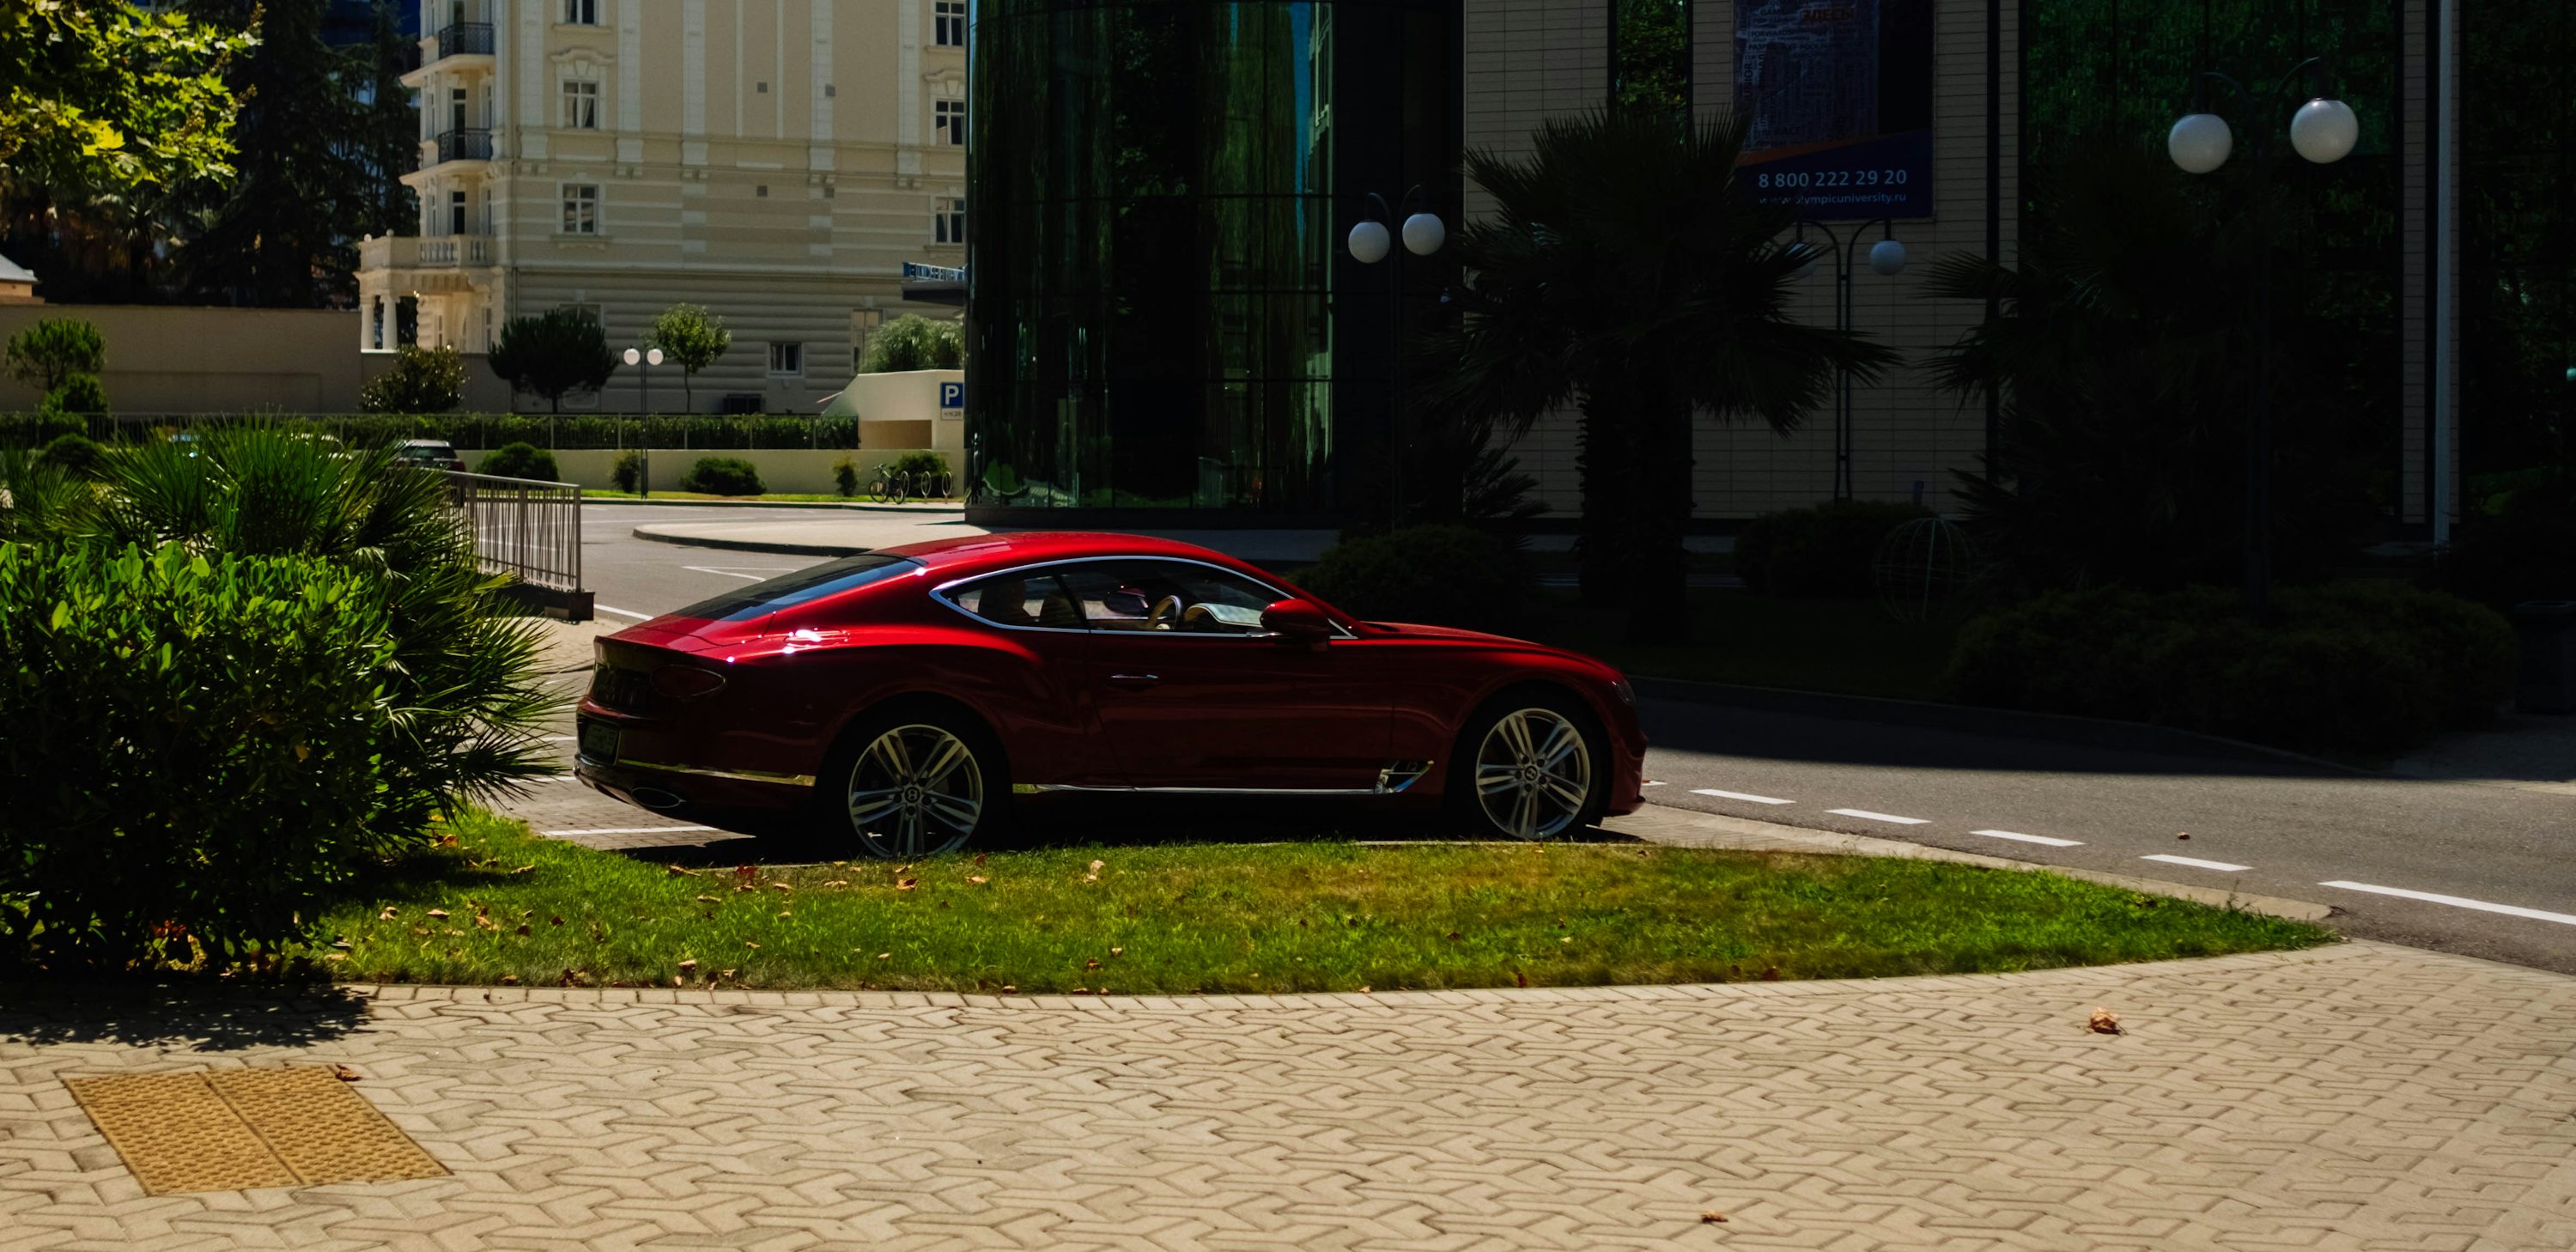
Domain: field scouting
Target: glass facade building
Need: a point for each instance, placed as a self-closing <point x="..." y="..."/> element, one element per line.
<point x="1161" y="312"/>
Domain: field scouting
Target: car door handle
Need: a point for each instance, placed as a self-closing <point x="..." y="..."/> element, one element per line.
<point x="1135" y="680"/>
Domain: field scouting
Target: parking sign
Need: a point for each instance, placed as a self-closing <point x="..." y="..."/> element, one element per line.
<point x="952" y="395"/>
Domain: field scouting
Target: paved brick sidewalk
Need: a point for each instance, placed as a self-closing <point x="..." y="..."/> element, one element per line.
<point x="2361" y="1096"/>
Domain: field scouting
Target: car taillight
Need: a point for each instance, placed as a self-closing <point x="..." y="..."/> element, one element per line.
<point x="685" y="682"/>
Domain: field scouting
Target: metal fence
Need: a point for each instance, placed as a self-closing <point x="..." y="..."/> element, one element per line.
<point x="525" y="528"/>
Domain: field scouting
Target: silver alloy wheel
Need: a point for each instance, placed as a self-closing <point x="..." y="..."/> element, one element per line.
<point x="916" y="790"/>
<point x="1533" y="773"/>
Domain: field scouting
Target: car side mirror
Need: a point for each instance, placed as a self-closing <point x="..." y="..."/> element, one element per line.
<point x="1296" y="621"/>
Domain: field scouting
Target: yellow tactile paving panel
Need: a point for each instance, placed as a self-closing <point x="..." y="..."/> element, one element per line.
<point x="235" y="1129"/>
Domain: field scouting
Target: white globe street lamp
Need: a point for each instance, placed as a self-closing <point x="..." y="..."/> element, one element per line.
<point x="1424" y="233"/>
<point x="1887" y="257"/>
<point x="2324" y="131"/>
<point x="1369" y="242"/>
<point x="2200" y="142"/>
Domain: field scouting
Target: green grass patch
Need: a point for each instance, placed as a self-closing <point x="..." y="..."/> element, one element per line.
<point x="791" y="497"/>
<point x="502" y="905"/>
<point x="1853" y="647"/>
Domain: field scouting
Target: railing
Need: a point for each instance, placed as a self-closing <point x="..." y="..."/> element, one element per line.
<point x="459" y="39"/>
<point x="403" y="252"/>
<point x="464" y="145"/>
<point x="524" y="528"/>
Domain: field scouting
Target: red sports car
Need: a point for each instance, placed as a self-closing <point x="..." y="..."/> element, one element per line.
<point x="914" y="697"/>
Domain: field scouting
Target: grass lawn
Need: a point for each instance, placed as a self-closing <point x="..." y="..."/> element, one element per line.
<point x="502" y="905"/>
<point x="1848" y="646"/>
<point x="792" y="497"/>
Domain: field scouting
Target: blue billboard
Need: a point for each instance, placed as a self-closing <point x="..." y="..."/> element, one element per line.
<point x="1838" y="94"/>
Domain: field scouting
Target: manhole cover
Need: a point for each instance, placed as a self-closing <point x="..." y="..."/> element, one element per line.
<point x="235" y="1129"/>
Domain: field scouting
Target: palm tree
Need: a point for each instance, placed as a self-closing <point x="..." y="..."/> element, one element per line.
<point x="1628" y="268"/>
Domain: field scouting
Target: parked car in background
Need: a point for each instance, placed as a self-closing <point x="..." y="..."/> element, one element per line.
<point x="907" y="700"/>
<point x="429" y="454"/>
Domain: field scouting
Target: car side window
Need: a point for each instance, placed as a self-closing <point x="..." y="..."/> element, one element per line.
<point x="1144" y="594"/>
<point x="1019" y="599"/>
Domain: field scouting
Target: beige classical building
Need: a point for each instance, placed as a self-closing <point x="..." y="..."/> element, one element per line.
<point x="775" y="160"/>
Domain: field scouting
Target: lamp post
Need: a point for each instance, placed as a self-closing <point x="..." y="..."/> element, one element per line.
<point x="1887" y="257"/>
<point x="2322" y="131"/>
<point x="1369" y="243"/>
<point x="648" y="358"/>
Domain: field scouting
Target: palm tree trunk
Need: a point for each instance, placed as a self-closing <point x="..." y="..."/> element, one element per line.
<point x="1608" y="497"/>
<point x="1658" y="568"/>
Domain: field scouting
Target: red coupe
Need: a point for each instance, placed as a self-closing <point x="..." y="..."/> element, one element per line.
<point x="915" y="697"/>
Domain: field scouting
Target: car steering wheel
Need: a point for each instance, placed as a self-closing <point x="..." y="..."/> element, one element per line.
<point x="1163" y="614"/>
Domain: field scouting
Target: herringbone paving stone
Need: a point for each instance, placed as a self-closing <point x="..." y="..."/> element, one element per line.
<point x="2356" y="1098"/>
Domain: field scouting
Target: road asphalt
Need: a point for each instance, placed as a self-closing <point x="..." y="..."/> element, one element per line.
<point x="2482" y="866"/>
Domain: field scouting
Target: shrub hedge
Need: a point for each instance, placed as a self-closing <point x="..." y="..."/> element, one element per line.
<point x="520" y="460"/>
<point x="627" y="471"/>
<point x="2353" y="667"/>
<point x="1436" y="575"/>
<point x="1821" y="551"/>
<point x="724" y="476"/>
<point x="710" y="432"/>
<point x="192" y="752"/>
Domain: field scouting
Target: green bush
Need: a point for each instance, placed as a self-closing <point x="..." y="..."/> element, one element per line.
<point x="2367" y="668"/>
<point x="845" y="477"/>
<point x="914" y="342"/>
<point x="76" y="455"/>
<point x="627" y="471"/>
<point x="723" y="476"/>
<point x="1821" y="551"/>
<point x="80" y="394"/>
<point x="194" y="749"/>
<point x="1436" y="575"/>
<point x="421" y="380"/>
<point x="520" y="460"/>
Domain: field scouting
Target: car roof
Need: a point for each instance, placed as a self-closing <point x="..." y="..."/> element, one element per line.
<point x="427" y="443"/>
<point x="976" y="553"/>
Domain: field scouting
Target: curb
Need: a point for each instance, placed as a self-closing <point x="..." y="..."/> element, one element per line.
<point x="827" y="505"/>
<point x="775" y="547"/>
<point x="2097" y="732"/>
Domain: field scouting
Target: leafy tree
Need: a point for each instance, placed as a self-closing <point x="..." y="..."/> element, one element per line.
<point x="282" y="231"/>
<point x="694" y="339"/>
<point x="914" y="342"/>
<point x="422" y="380"/>
<point x="77" y="394"/>
<point x="2123" y="351"/>
<point x="389" y="130"/>
<point x="104" y="96"/>
<point x="53" y="349"/>
<point x="553" y="353"/>
<point x="1627" y="267"/>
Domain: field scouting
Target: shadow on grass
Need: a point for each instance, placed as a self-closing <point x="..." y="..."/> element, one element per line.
<point x="191" y="1017"/>
<point x="1121" y="822"/>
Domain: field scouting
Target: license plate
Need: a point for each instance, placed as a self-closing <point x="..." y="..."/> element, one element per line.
<point x="599" y="742"/>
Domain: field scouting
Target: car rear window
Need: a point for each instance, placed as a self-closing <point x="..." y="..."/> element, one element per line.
<point x="789" y="590"/>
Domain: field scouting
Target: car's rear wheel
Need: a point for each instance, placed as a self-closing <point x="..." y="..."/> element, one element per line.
<point x="1531" y="766"/>
<point x="918" y="784"/>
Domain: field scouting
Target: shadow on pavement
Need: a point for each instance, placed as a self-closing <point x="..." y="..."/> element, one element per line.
<point x="188" y="1018"/>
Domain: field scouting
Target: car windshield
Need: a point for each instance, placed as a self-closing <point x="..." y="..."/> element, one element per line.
<point x="789" y="590"/>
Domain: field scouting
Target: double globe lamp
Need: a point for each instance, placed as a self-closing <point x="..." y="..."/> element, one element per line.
<point x="2323" y="131"/>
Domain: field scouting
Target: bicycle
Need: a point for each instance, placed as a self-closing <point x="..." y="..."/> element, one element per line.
<point x="890" y="487"/>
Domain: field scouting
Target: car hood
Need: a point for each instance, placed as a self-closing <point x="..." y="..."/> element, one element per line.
<point x="1465" y="638"/>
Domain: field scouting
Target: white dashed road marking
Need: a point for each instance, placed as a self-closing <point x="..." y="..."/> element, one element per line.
<point x="630" y="830"/>
<point x="709" y="569"/>
<point x="2018" y="837"/>
<point x="1738" y="795"/>
<point x="2457" y="902"/>
<point x="1866" y="815"/>
<point x="611" y="608"/>
<point x="2196" y="863"/>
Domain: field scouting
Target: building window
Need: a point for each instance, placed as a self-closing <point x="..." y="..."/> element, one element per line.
<point x="456" y="108"/>
<point x="580" y="105"/>
<point x="948" y="222"/>
<point x="580" y="209"/>
<point x="456" y="212"/>
<point x="948" y="121"/>
<point x="948" y="23"/>
<point x="581" y="12"/>
<point x="786" y="360"/>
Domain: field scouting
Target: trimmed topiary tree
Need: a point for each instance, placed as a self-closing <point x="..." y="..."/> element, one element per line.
<point x="553" y="354"/>
<point x="723" y="476"/>
<point x="520" y="460"/>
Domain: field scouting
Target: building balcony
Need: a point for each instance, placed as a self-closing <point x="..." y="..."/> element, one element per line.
<point x="465" y="39"/>
<point x="456" y="145"/>
<point x="433" y="263"/>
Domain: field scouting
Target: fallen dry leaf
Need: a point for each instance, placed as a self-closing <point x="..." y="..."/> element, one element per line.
<point x="1363" y="988"/>
<point x="2103" y="1021"/>
<point x="679" y="871"/>
<point x="1770" y="973"/>
<point x="710" y="899"/>
<point x="782" y="886"/>
<point x="1453" y="934"/>
<point x="689" y="966"/>
<point x="885" y="956"/>
<point x="344" y="1073"/>
<point x="438" y="912"/>
<point x="1711" y="1216"/>
<point x="2183" y="835"/>
<point x="523" y="930"/>
<point x="838" y="882"/>
<point x="1009" y="990"/>
<point x="746" y="872"/>
<point x="977" y="879"/>
<point x="979" y="858"/>
<point x="1118" y="952"/>
<point x="750" y="943"/>
<point x="1519" y="979"/>
<point x="524" y="868"/>
<point x="387" y="915"/>
<point x="906" y="884"/>
<point x="1091" y="964"/>
<point x="509" y="980"/>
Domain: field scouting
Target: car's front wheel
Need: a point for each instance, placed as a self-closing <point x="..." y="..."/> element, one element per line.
<point x="1531" y="766"/>
<point x="917" y="784"/>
